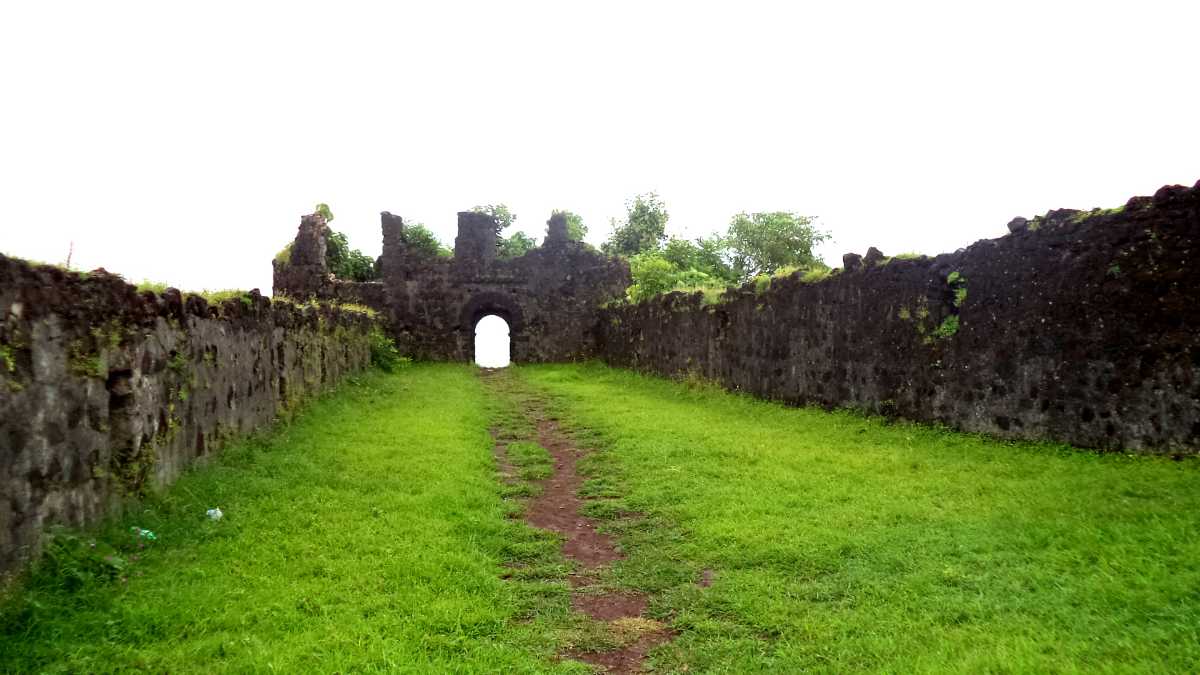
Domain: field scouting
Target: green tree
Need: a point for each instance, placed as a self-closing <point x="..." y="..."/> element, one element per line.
<point x="348" y="264"/>
<point x="644" y="228"/>
<point x="576" y="230"/>
<point x="421" y="241"/>
<point x="515" y="246"/>
<point x="651" y="274"/>
<point x="762" y="243"/>
<point x="692" y="278"/>
<point x="504" y="217"/>
<point x="707" y="255"/>
<point x="322" y="210"/>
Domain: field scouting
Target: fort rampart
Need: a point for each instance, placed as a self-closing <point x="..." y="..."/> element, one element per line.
<point x="105" y="391"/>
<point x="1080" y="327"/>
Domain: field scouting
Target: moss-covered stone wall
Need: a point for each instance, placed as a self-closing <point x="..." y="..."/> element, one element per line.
<point x="548" y="296"/>
<point x="1077" y="326"/>
<point x="106" y="392"/>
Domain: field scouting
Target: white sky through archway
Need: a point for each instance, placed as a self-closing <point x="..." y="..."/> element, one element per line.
<point x="492" y="342"/>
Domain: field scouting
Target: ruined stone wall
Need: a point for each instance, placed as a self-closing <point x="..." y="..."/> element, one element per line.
<point x="105" y="391"/>
<point x="1078" y="327"/>
<point x="548" y="296"/>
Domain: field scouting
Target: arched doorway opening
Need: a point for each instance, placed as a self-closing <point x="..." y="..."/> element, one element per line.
<point x="493" y="344"/>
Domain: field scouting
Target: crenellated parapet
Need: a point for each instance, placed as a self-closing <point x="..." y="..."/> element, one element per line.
<point x="1076" y="326"/>
<point x="300" y="270"/>
<point x="549" y="296"/>
<point x="477" y="238"/>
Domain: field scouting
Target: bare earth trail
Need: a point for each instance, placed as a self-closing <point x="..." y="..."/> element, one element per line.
<point x="559" y="508"/>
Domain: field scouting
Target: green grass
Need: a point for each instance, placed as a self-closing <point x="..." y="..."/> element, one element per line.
<point x="373" y="534"/>
<point x="712" y="294"/>
<point x="817" y="274"/>
<point x="839" y="543"/>
<point x="284" y="256"/>
<point x="153" y="286"/>
<point x="531" y="459"/>
<point x="369" y="535"/>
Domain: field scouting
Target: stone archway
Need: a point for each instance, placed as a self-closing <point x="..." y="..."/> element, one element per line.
<point x="549" y="296"/>
<point x="491" y="303"/>
<point x="493" y="343"/>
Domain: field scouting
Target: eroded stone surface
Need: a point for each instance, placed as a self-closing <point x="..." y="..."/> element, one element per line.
<point x="548" y="297"/>
<point x="1077" y="327"/>
<point x="105" y="390"/>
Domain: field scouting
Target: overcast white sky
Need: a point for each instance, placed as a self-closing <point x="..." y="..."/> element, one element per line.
<point x="182" y="141"/>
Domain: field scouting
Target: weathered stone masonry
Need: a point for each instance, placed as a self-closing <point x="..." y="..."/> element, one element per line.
<point x="549" y="296"/>
<point x="104" y="390"/>
<point x="1082" y="327"/>
<point x="1077" y="327"/>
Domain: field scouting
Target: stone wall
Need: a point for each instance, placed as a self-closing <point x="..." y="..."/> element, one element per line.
<point x="548" y="296"/>
<point x="105" y="391"/>
<point x="1078" y="327"/>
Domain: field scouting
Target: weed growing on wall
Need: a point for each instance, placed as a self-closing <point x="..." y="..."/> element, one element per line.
<point x="156" y="287"/>
<point x="817" y="274"/>
<point x="948" y="327"/>
<point x="1085" y="215"/>
<point x="958" y="284"/>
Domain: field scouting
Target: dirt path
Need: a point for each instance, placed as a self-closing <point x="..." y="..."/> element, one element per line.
<point x="559" y="509"/>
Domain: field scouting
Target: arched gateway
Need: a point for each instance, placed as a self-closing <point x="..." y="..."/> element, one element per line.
<point x="548" y="296"/>
<point x="493" y="344"/>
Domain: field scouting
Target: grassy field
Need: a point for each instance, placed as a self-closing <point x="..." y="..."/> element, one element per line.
<point x="370" y="535"/>
<point x="837" y="543"/>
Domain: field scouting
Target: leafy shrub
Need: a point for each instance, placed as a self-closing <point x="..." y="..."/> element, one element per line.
<point x="284" y="257"/>
<point x="347" y="263"/>
<point x="652" y="274"/>
<point x="515" y="246"/>
<point x="73" y="561"/>
<point x="761" y="283"/>
<point x="421" y="241"/>
<point x="384" y="354"/>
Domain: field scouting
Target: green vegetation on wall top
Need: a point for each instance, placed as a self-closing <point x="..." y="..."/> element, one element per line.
<point x="576" y="230"/>
<point x="755" y="247"/>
